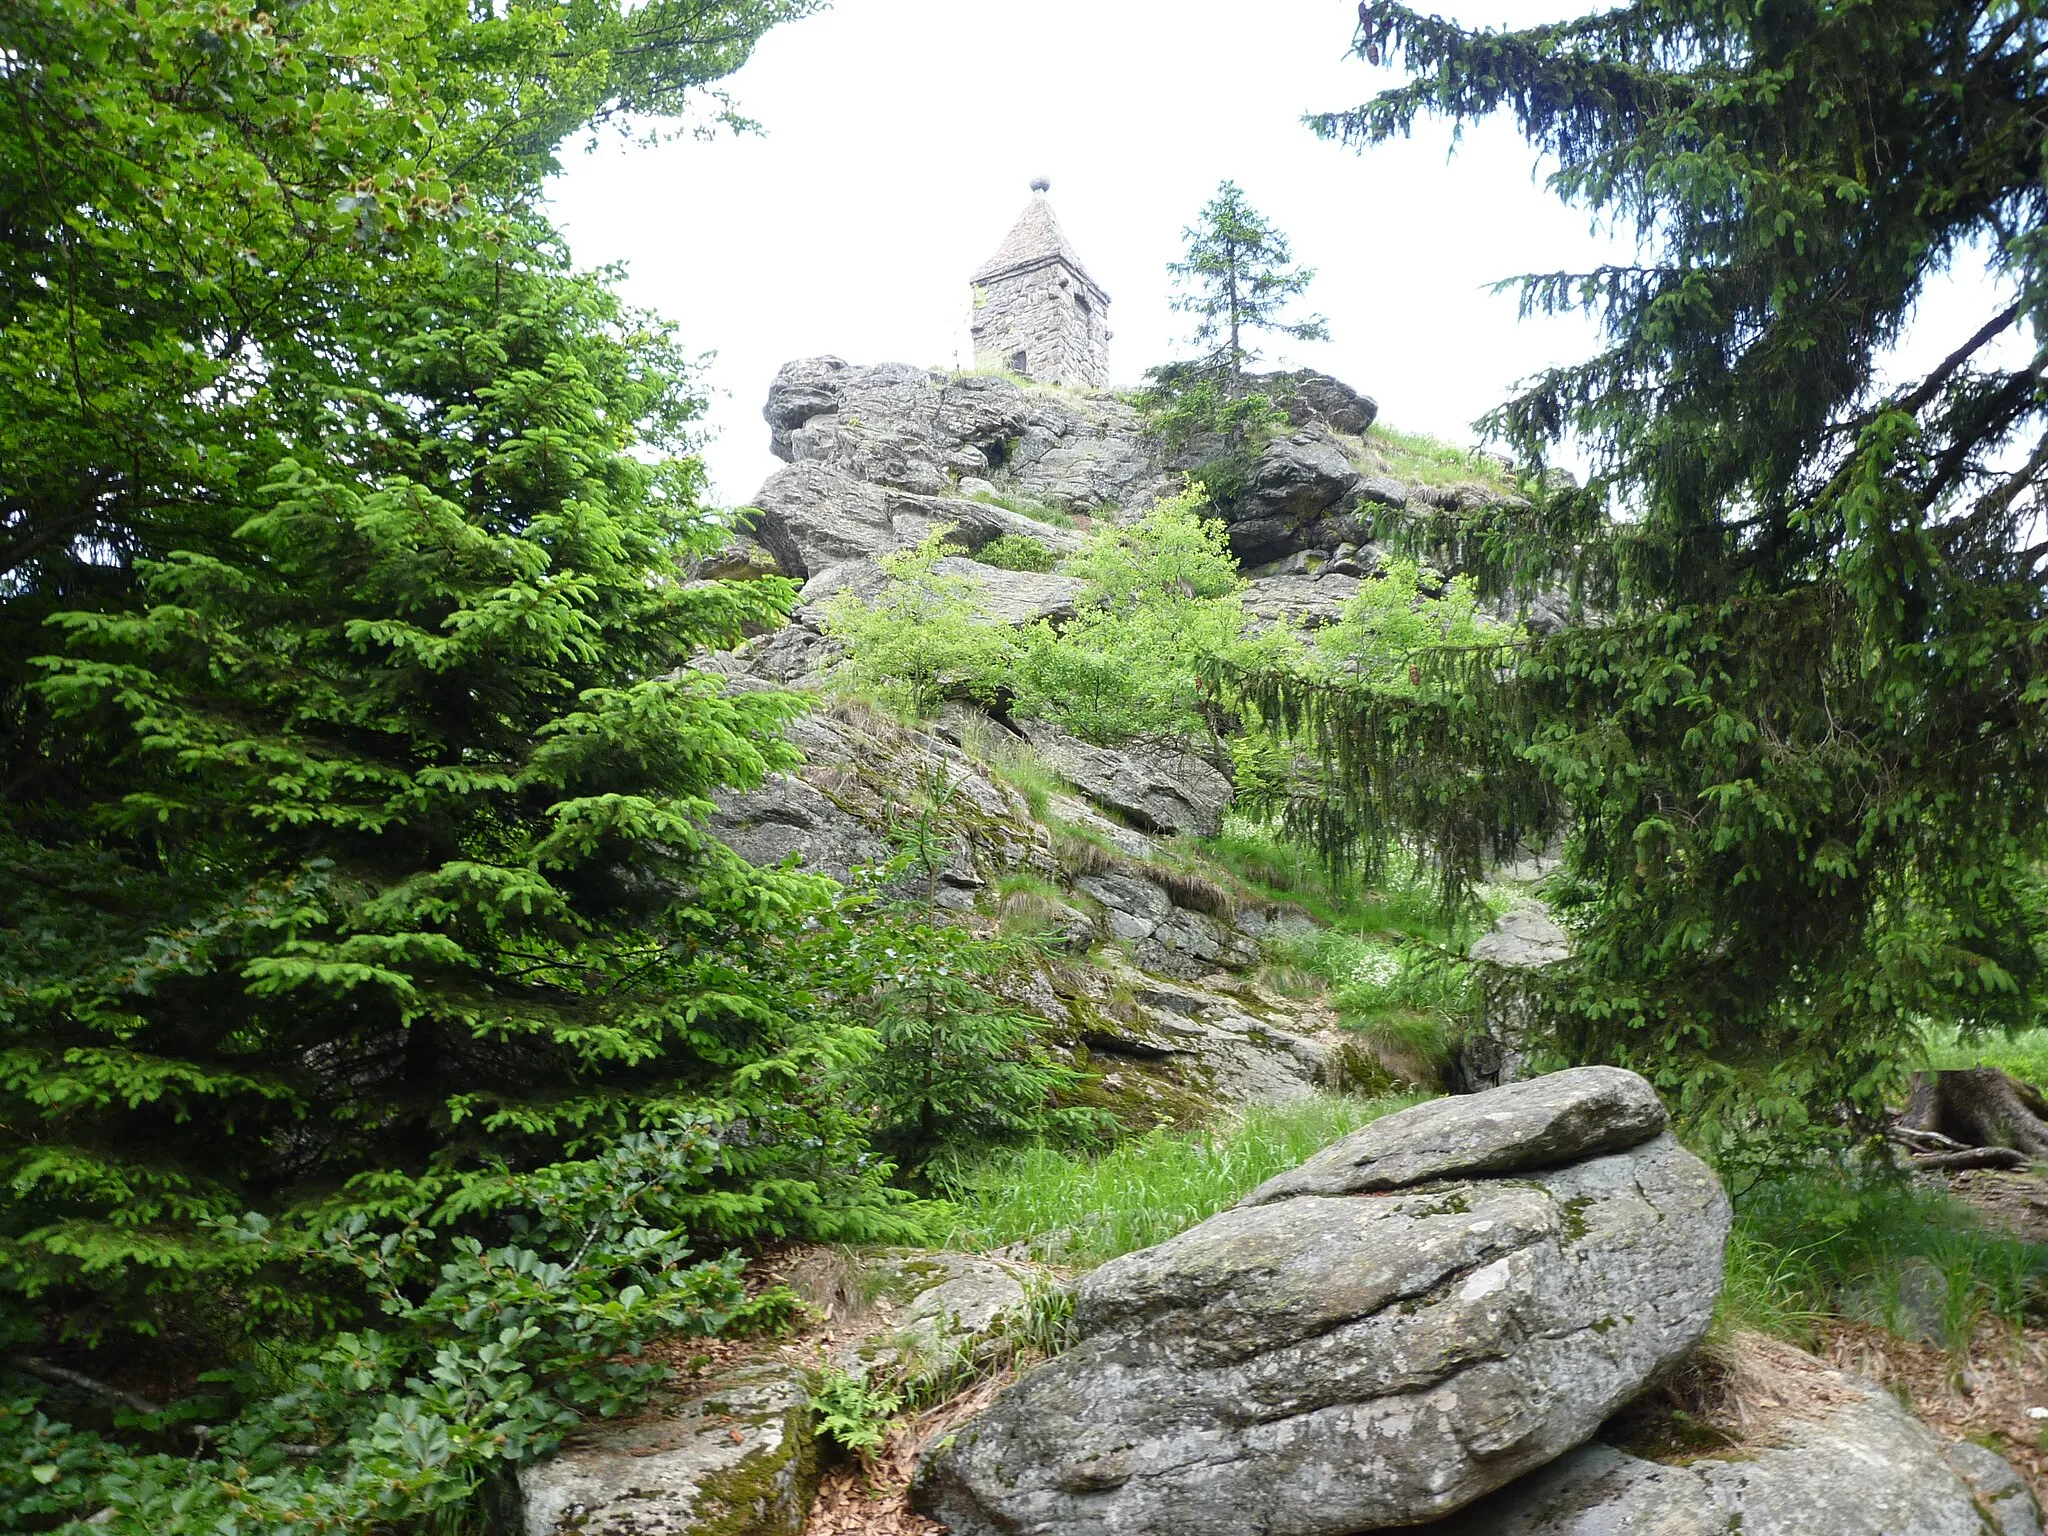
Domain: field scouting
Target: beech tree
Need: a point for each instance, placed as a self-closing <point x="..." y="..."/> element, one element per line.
<point x="1802" y="755"/>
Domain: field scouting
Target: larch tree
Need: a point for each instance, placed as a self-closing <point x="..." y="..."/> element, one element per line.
<point x="1798" y="740"/>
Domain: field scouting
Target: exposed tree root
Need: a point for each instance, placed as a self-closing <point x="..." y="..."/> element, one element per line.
<point x="1976" y="1117"/>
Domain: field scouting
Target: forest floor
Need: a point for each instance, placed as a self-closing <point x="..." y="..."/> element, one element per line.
<point x="1992" y="1400"/>
<point x="2011" y="1202"/>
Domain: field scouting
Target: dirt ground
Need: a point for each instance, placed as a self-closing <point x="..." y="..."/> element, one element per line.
<point x="2013" y="1202"/>
<point x="1987" y="1400"/>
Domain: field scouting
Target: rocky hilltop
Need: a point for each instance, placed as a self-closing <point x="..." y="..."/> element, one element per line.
<point x="878" y="456"/>
<point x="1451" y="1319"/>
<point x="1167" y="1013"/>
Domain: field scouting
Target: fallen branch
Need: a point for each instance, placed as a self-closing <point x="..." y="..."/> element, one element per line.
<point x="1973" y="1157"/>
<point x="64" y="1376"/>
<point x="1923" y="1141"/>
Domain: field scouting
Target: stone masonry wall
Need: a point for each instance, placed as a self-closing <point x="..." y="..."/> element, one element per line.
<point x="1058" y="320"/>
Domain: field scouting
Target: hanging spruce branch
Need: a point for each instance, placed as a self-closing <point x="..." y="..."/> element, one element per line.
<point x="1803" y="754"/>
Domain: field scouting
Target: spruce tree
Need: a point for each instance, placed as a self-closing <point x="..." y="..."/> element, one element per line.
<point x="1802" y="753"/>
<point x="356" y="777"/>
<point x="1239" y="276"/>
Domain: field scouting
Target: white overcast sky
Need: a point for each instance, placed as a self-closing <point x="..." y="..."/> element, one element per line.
<point x="900" y="137"/>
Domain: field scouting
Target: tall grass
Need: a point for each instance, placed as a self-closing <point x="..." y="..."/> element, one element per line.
<point x="1827" y="1242"/>
<point x="1077" y="1209"/>
<point x="1026" y="506"/>
<point x="1403" y="903"/>
<point x="1431" y="461"/>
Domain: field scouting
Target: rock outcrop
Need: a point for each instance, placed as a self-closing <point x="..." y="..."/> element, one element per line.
<point x="1445" y="1301"/>
<point x="1300" y="494"/>
<point x="940" y="1316"/>
<point x="735" y="1457"/>
<point x="1496" y="1051"/>
<point x="1312" y="396"/>
<point x="1157" y="789"/>
<point x="1846" y="1460"/>
<point x="1214" y="1044"/>
<point x="915" y="430"/>
<point x="878" y="456"/>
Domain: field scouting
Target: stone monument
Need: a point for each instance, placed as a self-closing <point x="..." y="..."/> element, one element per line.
<point x="1037" y="312"/>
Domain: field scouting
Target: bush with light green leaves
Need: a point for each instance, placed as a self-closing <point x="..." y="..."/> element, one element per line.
<point x="925" y="637"/>
<point x="1161" y="602"/>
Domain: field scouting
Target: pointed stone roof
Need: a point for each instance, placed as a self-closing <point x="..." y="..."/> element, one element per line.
<point x="1035" y="240"/>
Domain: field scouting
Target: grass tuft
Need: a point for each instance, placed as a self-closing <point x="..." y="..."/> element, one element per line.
<point x="1076" y="1209"/>
<point x="1828" y="1241"/>
<point x="1430" y="461"/>
<point x="1025" y="506"/>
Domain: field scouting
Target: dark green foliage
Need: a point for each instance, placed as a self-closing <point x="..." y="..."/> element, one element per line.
<point x="485" y="1357"/>
<point x="355" y="789"/>
<point x="1804" y="757"/>
<point x="956" y="1066"/>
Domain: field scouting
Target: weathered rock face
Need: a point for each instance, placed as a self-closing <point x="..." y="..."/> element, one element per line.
<point x="1321" y="1364"/>
<point x="736" y="1459"/>
<point x="862" y="771"/>
<point x="1309" y="600"/>
<point x="1859" y="1466"/>
<point x="941" y="1314"/>
<point x="921" y="431"/>
<point x="1542" y="1123"/>
<point x="816" y="516"/>
<point x="1313" y="396"/>
<point x="1295" y="486"/>
<point x="1158" y="789"/>
<point x="1006" y="597"/>
<point x="1524" y="938"/>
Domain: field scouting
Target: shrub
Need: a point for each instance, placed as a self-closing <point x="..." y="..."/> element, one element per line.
<point x="489" y="1354"/>
<point x="1392" y="622"/>
<point x="925" y="636"/>
<point x="1015" y="552"/>
<point x="1160" y="604"/>
<point x="954" y="1067"/>
<point x="1190" y="406"/>
<point x="852" y="1412"/>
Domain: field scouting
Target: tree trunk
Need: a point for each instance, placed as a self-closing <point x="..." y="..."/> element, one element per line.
<point x="1974" y="1107"/>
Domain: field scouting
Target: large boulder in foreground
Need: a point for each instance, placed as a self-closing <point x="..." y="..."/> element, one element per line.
<point x="1839" y="1457"/>
<point x="1452" y="1297"/>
